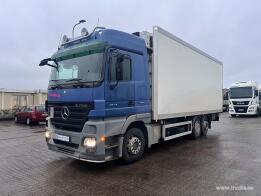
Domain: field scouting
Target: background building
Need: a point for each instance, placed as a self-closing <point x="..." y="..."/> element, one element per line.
<point x="12" y="100"/>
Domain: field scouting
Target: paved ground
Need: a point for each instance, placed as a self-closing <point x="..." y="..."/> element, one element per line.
<point x="229" y="156"/>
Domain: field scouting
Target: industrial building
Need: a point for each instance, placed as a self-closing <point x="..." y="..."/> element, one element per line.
<point x="11" y="100"/>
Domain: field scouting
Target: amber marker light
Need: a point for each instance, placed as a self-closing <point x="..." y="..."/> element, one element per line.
<point x="103" y="138"/>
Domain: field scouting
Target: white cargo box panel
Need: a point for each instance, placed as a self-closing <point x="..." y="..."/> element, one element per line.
<point x="185" y="80"/>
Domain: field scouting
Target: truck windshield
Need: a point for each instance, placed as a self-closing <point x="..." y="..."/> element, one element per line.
<point x="85" y="69"/>
<point x="241" y="92"/>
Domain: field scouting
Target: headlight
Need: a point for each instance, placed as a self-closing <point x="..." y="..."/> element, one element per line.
<point x="48" y="135"/>
<point x="89" y="142"/>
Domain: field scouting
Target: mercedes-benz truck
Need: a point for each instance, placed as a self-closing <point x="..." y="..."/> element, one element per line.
<point x="244" y="99"/>
<point x="113" y="94"/>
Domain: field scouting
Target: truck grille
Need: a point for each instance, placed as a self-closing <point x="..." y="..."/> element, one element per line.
<point x="240" y="102"/>
<point x="241" y="109"/>
<point x="77" y="115"/>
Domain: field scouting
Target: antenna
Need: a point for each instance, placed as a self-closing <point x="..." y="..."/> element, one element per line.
<point x="81" y="21"/>
<point x="60" y="41"/>
<point x="98" y="22"/>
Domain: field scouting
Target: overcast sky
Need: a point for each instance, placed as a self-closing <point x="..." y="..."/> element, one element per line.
<point x="30" y="31"/>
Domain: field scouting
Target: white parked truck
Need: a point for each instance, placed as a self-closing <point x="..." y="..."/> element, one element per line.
<point x="112" y="94"/>
<point x="244" y="99"/>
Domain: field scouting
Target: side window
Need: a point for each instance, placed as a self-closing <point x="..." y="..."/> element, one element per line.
<point x="112" y="68"/>
<point x="120" y="68"/>
<point x="22" y="109"/>
<point x="126" y="69"/>
<point x="29" y="109"/>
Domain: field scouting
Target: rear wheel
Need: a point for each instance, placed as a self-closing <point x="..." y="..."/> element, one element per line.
<point x="233" y="115"/>
<point x="28" y="121"/>
<point x="204" y="126"/>
<point x="196" y="127"/>
<point x="133" y="145"/>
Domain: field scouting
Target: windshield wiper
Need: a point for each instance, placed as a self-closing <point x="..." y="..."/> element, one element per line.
<point x="74" y="79"/>
<point x="57" y="86"/>
<point x="79" y="82"/>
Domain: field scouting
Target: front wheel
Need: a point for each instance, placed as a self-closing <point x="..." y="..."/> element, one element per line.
<point x="28" y="121"/>
<point x="133" y="145"/>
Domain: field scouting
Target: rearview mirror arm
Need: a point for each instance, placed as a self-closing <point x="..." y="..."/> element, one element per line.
<point x="45" y="62"/>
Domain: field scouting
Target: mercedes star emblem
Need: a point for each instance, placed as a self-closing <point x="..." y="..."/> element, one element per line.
<point x="65" y="113"/>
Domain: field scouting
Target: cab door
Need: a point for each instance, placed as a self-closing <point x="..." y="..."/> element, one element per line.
<point x="119" y="84"/>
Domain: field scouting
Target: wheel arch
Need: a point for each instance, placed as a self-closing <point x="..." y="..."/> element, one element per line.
<point x="137" y="121"/>
<point x="140" y="125"/>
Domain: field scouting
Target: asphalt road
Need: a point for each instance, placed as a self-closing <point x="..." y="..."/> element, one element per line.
<point x="229" y="158"/>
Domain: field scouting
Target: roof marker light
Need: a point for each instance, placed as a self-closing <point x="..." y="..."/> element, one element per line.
<point x="65" y="39"/>
<point x="84" y="32"/>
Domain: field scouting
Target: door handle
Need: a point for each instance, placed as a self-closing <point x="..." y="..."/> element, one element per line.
<point x="131" y="103"/>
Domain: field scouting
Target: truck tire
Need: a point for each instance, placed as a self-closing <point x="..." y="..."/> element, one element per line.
<point x="28" y="121"/>
<point x="133" y="145"/>
<point x="233" y="115"/>
<point x="196" y="127"/>
<point x="204" y="126"/>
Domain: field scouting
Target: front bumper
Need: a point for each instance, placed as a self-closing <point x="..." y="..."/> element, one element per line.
<point x="76" y="154"/>
<point x="107" y="150"/>
<point x="249" y="110"/>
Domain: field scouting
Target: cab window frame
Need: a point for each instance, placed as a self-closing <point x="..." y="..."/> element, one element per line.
<point x="127" y="57"/>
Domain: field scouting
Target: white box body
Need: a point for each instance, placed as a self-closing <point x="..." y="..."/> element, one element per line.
<point x="185" y="80"/>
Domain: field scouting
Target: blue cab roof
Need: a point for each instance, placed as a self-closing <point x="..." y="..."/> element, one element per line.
<point x="112" y="37"/>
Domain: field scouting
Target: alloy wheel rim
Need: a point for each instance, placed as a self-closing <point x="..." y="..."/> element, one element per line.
<point x="134" y="145"/>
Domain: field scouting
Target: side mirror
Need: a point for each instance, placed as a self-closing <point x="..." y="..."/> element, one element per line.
<point x="44" y="62"/>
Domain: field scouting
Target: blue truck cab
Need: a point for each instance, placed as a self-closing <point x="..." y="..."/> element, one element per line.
<point x="100" y="86"/>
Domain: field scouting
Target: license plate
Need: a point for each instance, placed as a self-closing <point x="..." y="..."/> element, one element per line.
<point x="62" y="138"/>
<point x="241" y="110"/>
